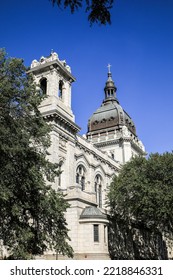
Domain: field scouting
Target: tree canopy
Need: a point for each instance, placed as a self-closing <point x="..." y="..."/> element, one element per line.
<point x="31" y="213"/>
<point x="141" y="207"/>
<point x="98" y="11"/>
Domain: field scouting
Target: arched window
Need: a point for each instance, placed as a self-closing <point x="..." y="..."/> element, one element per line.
<point x="60" y="89"/>
<point x="80" y="176"/>
<point x="43" y="86"/>
<point x="112" y="155"/>
<point x="98" y="190"/>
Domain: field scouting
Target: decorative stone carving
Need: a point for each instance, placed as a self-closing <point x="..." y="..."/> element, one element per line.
<point x="68" y="68"/>
<point x="54" y="56"/>
<point x="63" y="63"/>
<point x="34" y="63"/>
<point x="42" y="59"/>
<point x="61" y="159"/>
<point x="62" y="144"/>
<point x="125" y="131"/>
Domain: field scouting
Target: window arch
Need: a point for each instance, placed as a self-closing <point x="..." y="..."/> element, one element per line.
<point x="98" y="189"/>
<point x="43" y="86"/>
<point x="80" y="176"/>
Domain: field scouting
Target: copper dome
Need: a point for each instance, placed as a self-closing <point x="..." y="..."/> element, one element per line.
<point x="110" y="114"/>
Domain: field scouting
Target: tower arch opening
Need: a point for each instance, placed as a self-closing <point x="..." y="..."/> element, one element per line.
<point x="60" y="89"/>
<point x="43" y="86"/>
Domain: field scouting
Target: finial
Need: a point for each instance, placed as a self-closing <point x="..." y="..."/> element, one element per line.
<point x="51" y="51"/>
<point x="109" y="68"/>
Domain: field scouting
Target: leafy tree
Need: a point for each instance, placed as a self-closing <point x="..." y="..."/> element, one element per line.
<point x="141" y="208"/>
<point x="99" y="11"/>
<point x="31" y="212"/>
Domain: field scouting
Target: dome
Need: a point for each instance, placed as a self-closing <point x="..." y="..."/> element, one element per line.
<point x="110" y="114"/>
<point x="92" y="212"/>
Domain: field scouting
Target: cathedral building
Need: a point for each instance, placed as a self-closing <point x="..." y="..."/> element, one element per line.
<point x="88" y="163"/>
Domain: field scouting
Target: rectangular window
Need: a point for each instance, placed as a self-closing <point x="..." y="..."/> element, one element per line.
<point x="105" y="234"/>
<point x="96" y="233"/>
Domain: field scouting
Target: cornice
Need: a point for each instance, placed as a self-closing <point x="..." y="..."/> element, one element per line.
<point x="134" y="145"/>
<point x="50" y="115"/>
<point x="50" y="65"/>
<point x="121" y="140"/>
<point x="106" y="143"/>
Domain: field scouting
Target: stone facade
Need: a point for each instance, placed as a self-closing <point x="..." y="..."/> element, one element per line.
<point x="87" y="163"/>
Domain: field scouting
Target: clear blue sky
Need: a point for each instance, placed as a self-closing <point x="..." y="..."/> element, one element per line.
<point x="138" y="44"/>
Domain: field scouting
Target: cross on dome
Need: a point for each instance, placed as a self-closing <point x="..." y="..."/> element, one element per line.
<point x="109" y="68"/>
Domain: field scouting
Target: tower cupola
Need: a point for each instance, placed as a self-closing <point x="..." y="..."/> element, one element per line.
<point x="110" y="115"/>
<point x="110" y="88"/>
<point x="111" y="129"/>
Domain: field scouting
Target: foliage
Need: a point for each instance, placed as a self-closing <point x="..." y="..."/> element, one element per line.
<point x="98" y="10"/>
<point x="141" y="207"/>
<point x="31" y="213"/>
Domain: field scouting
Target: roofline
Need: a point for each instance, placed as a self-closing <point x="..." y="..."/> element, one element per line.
<point x="55" y="63"/>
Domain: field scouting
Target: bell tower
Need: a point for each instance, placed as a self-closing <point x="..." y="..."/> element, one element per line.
<point x="53" y="78"/>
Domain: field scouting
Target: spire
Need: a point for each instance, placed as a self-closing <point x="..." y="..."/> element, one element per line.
<point x="110" y="88"/>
